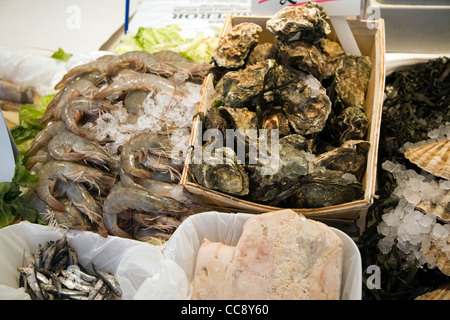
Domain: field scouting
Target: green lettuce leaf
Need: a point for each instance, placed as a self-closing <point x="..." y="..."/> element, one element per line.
<point x="29" y="116"/>
<point x="11" y="204"/>
<point x="153" y="40"/>
<point x="61" y="55"/>
<point x="128" y="43"/>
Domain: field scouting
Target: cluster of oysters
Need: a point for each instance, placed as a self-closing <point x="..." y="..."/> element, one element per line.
<point x="306" y="88"/>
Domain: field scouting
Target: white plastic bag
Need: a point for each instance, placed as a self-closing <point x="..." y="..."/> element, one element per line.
<point x="28" y="69"/>
<point x="144" y="271"/>
<point x="137" y="266"/>
<point x="184" y="244"/>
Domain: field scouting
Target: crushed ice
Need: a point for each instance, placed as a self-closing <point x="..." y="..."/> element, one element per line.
<point x="158" y="110"/>
<point x="411" y="230"/>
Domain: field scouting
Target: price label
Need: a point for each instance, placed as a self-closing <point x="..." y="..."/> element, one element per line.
<point x="332" y="7"/>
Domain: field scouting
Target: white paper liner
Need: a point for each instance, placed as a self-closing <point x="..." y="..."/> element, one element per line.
<point x="144" y="271"/>
<point x="227" y="228"/>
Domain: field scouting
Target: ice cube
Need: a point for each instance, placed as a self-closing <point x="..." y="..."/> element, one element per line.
<point x="426" y="222"/>
<point x="439" y="232"/>
<point x="385" y="244"/>
<point x="434" y="134"/>
<point x="388" y="166"/>
<point x="415" y="184"/>
<point x="391" y="219"/>
<point x="412" y="196"/>
<point x="383" y="228"/>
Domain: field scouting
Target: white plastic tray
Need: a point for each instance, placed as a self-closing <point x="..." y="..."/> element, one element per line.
<point x="145" y="271"/>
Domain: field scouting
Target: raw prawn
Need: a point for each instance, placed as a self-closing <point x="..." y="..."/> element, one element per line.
<point x="81" y="87"/>
<point x="140" y="61"/>
<point x="44" y="136"/>
<point x="82" y="199"/>
<point x="69" y="146"/>
<point x="161" y="222"/>
<point x="128" y="80"/>
<point x="77" y="107"/>
<point x="161" y="162"/>
<point x="95" y="77"/>
<point x="99" y="65"/>
<point x="70" y="217"/>
<point x="160" y="188"/>
<point x="123" y="199"/>
<point x="133" y="101"/>
<point x="66" y="170"/>
<point x="137" y="145"/>
<point x="196" y="71"/>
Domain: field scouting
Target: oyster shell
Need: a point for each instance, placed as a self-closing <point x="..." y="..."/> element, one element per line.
<point x="352" y="124"/>
<point x="331" y="50"/>
<point x="233" y="48"/>
<point x="305" y="102"/>
<point x="239" y="87"/>
<point x="351" y="79"/>
<point x="303" y="56"/>
<point x="327" y="188"/>
<point x="441" y="293"/>
<point x="213" y="120"/>
<point x="292" y="164"/>
<point x="218" y="169"/>
<point x="306" y="22"/>
<point x="433" y="158"/>
<point x="239" y="118"/>
<point x="275" y="119"/>
<point x="350" y="157"/>
<point x="262" y="51"/>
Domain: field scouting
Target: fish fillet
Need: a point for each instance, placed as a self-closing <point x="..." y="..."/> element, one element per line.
<point x="280" y="255"/>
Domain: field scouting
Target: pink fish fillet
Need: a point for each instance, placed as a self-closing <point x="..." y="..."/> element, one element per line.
<point x="280" y="255"/>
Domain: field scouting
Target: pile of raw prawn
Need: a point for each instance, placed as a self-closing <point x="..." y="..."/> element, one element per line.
<point x="81" y="185"/>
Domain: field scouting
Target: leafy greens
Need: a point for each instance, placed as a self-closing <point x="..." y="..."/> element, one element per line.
<point x="11" y="204"/>
<point x="153" y="40"/>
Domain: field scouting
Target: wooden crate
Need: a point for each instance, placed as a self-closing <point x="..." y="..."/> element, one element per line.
<point x="371" y="44"/>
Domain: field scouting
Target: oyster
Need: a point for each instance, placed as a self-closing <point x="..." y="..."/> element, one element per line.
<point x="234" y="47"/>
<point x="351" y="79"/>
<point x="306" y="22"/>
<point x="327" y="188"/>
<point x="305" y="102"/>
<point x="239" y="87"/>
<point x="352" y="124"/>
<point x="275" y="119"/>
<point x="218" y="169"/>
<point x="240" y="118"/>
<point x="433" y="158"/>
<point x="331" y="50"/>
<point x="303" y="56"/>
<point x="289" y="163"/>
<point x="213" y="120"/>
<point x="262" y="51"/>
<point x="350" y="157"/>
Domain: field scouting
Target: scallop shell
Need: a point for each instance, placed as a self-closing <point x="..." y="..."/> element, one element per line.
<point x="433" y="158"/>
<point x="439" y="206"/>
<point x="441" y="293"/>
<point x="437" y="257"/>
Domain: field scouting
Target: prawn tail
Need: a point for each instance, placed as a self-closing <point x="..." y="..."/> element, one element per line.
<point x="110" y="223"/>
<point x="53" y="202"/>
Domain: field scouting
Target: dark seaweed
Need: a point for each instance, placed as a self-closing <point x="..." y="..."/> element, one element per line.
<point x="417" y="100"/>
